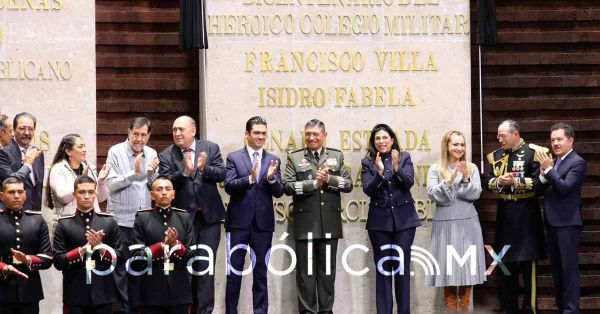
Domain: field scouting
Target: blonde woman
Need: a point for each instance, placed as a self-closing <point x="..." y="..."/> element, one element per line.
<point x="453" y="184"/>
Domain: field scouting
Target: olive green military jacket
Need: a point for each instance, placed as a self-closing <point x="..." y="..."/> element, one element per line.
<point x="316" y="210"/>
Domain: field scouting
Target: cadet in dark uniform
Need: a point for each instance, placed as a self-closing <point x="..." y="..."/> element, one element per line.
<point x="24" y="249"/>
<point x="315" y="176"/>
<point x="515" y="177"/>
<point x="160" y="229"/>
<point x="75" y="235"/>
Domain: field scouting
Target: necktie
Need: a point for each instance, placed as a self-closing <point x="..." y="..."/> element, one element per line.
<point x="31" y="175"/>
<point x="255" y="159"/>
<point x="317" y="156"/>
<point x="557" y="163"/>
<point x="189" y="150"/>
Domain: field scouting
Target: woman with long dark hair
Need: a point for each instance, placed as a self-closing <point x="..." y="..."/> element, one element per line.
<point x="69" y="163"/>
<point x="387" y="176"/>
<point x="453" y="184"/>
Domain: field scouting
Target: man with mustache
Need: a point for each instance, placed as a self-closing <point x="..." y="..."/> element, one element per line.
<point x="21" y="152"/>
<point x="562" y="180"/>
<point x="315" y="176"/>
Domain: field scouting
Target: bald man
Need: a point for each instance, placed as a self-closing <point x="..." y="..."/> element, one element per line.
<point x="195" y="167"/>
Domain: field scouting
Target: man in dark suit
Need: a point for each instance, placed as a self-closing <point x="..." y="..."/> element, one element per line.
<point x="162" y="229"/>
<point x="20" y="152"/>
<point x="6" y="138"/>
<point x="76" y="236"/>
<point x="195" y="167"/>
<point x="252" y="179"/>
<point x="562" y="181"/>
<point x="24" y="250"/>
<point x="315" y="176"/>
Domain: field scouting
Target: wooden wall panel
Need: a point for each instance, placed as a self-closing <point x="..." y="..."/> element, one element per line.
<point x="545" y="68"/>
<point x="141" y="71"/>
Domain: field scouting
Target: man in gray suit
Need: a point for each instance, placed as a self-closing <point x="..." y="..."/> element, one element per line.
<point x="315" y="176"/>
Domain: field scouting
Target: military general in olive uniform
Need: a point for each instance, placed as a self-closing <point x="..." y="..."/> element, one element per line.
<point x="315" y="176"/>
<point x="515" y="177"/>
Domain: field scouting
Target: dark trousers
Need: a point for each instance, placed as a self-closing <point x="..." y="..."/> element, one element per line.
<point x="92" y="309"/>
<point x="177" y="309"/>
<point x="509" y="289"/>
<point x="563" y="252"/>
<point x="26" y="308"/>
<point x="383" y="278"/>
<point x="316" y="292"/>
<point x="203" y="287"/>
<point x="260" y="243"/>
<point x="120" y="274"/>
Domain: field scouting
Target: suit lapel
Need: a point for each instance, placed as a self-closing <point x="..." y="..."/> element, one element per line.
<point x="246" y="159"/>
<point x="16" y="152"/>
<point x="564" y="165"/>
<point x="197" y="151"/>
<point x="177" y="157"/>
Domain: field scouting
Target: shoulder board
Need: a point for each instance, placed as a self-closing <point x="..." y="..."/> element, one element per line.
<point x="538" y="148"/>
<point x="490" y="156"/>
<point x="104" y="214"/>
<point x="297" y="150"/>
<point x="3" y="210"/>
<point x="33" y="212"/>
<point x="66" y="216"/>
<point x="179" y="209"/>
<point x="145" y="210"/>
<point x="334" y="149"/>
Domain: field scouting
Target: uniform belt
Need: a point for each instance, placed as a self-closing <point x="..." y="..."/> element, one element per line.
<point x="514" y="197"/>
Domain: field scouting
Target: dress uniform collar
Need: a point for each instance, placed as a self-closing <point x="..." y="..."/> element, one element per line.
<point x="85" y="214"/>
<point x="519" y="146"/>
<point x="161" y="210"/>
<point x="17" y="213"/>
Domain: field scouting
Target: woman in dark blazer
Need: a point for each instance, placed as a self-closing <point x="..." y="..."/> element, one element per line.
<point x="387" y="176"/>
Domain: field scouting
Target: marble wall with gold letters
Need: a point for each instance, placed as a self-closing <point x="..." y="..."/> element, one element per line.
<point x="352" y="64"/>
<point x="48" y="68"/>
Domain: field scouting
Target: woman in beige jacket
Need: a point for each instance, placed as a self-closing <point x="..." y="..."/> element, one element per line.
<point x="69" y="163"/>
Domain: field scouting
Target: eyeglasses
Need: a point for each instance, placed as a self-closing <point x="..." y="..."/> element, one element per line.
<point x="502" y="136"/>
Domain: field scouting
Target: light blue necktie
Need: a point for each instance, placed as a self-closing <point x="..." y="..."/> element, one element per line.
<point x="557" y="163"/>
<point x="255" y="158"/>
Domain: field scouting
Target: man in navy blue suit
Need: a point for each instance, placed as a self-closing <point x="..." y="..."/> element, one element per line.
<point x="562" y="181"/>
<point x="252" y="178"/>
<point x="195" y="167"/>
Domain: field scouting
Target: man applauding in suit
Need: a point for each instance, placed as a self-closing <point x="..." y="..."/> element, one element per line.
<point x="252" y="178"/>
<point x="562" y="181"/>
<point x="195" y="167"/>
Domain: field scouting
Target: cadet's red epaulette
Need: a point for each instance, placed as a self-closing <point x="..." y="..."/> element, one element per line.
<point x="66" y="216"/>
<point x="178" y="209"/>
<point x="33" y="212"/>
<point x="104" y="214"/>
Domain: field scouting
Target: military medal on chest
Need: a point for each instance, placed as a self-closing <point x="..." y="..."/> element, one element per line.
<point x="519" y="165"/>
